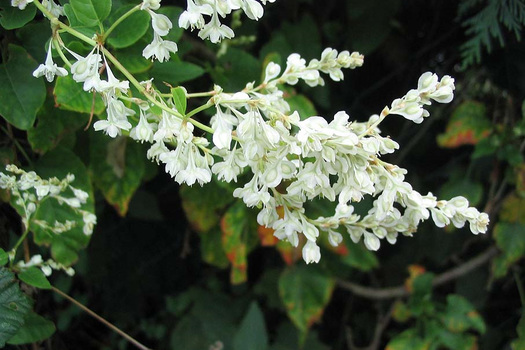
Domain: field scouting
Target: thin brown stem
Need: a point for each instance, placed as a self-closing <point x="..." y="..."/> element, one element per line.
<point x="401" y="291"/>
<point x="102" y="320"/>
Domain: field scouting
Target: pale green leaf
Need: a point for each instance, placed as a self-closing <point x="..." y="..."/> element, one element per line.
<point x="34" y="277"/>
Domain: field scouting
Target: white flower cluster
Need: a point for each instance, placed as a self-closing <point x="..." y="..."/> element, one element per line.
<point x="47" y="267"/>
<point x="29" y="189"/>
<point x="214" y="30"/>
<point x="159" y="48"/>
<point x="50" y="5"/>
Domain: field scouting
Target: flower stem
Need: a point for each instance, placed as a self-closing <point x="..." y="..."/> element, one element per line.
<point x="22" y="238"/>
<point x="101" y="319"/>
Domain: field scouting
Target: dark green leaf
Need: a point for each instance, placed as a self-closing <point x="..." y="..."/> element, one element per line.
<point x="305" y="292"/>
<point x="4" y="258"/>
<point x="117" y="167"/>
<point x="510" y="238"/>
<point x="461" y="316"/>
<point x="13" y="18"/>
<point x="179" y="99"/>
<point x="408" y="340"/>
<point x="14" y="306"/>
<point x="34" y="277"/>
<point x="91" y="12"/>
<point x="22" y="94"/>
<point x="35" y="329"/>
<point x="301" y="104"/>
<point x="131" y="58"/>
<point x="131" y="29"/>
<point x="69" y="95"/>
<point x="251" y="334"/>
<point x="175" y="73"/>
<point x="470" y="189"/>
<point x="235" y="69"/>
<point x="88" y="30"/>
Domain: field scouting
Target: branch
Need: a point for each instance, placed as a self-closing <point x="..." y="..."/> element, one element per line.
<point x="401" y="291"/>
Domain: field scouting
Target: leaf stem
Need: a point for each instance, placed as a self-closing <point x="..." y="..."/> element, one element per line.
<point x="119" y="20"/>
<point x="101" y="319"/>
<point x="22" y="238"/>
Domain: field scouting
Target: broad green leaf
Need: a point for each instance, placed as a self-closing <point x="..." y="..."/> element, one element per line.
<point x="305" y="291"/>
<point x="300" y="103"/>
<point x="235" y="69"/>
<point x="35" y="329"/>
<point x="117" y="167"/>
<point x="251" y="334"/>
<point x="211" y="248"/>
<point x="13" y="18"/>
<point x="408" y="340"/>
<point x="64" y="247"/>
<point x="510" y="238"/>
<point x="179" y="99"/>
<point x="34" y="36"/>
<point x="461" y="316"/>
<point x="203" y="206"/>
<point x="70" y="96"/>
<point x="53" y="127"/>
<point x="89" y="30"/>
<point x="4" y="258"/>
<point x="513" y="209"/>
<point x="91" y="12"/>
<point x="174" y="73"/>
<point x="467" y="126"/>
<point x="14" y="306"/>
<point x="512" y="154"/>
<point x="34" y="277"/>
<point x="288" y="338"/>
<point x="22" y="94"/>
<point x="130" y="30"/>
<point x="238" y="233"/>
<point x="131" y="58"/>
<point x="356" y="255"/>
<point x="470" y="189"/>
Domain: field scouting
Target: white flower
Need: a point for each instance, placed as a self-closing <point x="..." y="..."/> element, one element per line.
<point x="215" y="31"/>
<point x="55" y="9"/>
<point x="117" y="118"/>
<point x="144" y="130"/>
<point x="159" y="49"/>
<point x="161" y="23"/>
<point x="111" y="87"/>
<point x="150" y="5"/>
<point x="85" y="68"/>
<point x="311" y="252"/>
<point x="253" y="9"/>
<point x="193" y="15"/>
<point x="49" y="69"/>
<point x="21" y="4"/>
<point x="272" y="71"/>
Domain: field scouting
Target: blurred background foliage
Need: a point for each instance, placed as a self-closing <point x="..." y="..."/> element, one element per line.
<point x="188" y="268"/>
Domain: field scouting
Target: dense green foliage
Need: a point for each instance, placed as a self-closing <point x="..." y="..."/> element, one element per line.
<point x="189" y="268"/>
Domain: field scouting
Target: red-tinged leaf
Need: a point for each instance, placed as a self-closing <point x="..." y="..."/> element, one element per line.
<point x="467" y="126"/>
<point x="204" y="205"/>
<point x="238" y="228"/>
<point x="289" y="253"/>
<point x="305" y="291"/>
<point x="211" y="248"/>
<point x="414" y="271"/>
<point x="266" y="236"/>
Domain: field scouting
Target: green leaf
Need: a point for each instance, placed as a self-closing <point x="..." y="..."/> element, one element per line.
<point x="53" y="127"/>
<point x="35" y="329"/>
<point x="467" y="126"/>
<point x="131" y="58"/>
<point x="305" y="291"/>
<point x="117" y="167"/>
<point x="211" y="248"/>
<point x="513" y="209"/>
<point x="472" y="190"/>
<point x="64" y="247"/>
<point x="34" y="277"/>
<point x="174" y="73"/>
<point x="461" y="316"/>
<point x="408" y="340"/>
<point x="75" y="23"/>
<point x="13" y="18"/>
<point x="4" y="258"/>
<point x="300" y="103"/>
<point x="203" y="206"/>
<point x="510" y="238"/>
<point x="179" y="99"/>
<point x="239" y="229"/>
<point x="91" y="12"/>
<point x="130" y="30"/>
<point x="70" y="96"/>
<point x="22" y="94"/>
<point x="251" y="334"/>
<point x="14" y="306"/>
<point x="235" y="69"/>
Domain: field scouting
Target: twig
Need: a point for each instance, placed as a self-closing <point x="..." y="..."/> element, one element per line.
<point x="102" y="320"/>
<point x="400" y="291"/>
